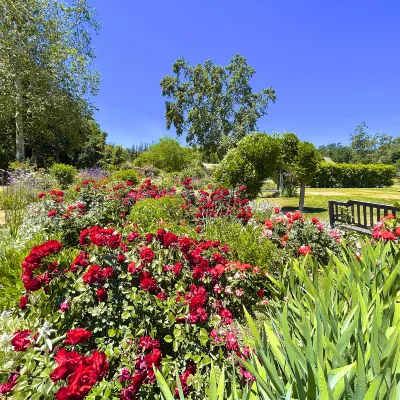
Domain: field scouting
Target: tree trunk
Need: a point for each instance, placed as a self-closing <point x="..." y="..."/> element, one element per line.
<point x="19" y="123"/>
<point x="302" y="195"/>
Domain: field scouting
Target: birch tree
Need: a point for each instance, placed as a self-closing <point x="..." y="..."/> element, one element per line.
<point x="46" y="78"/>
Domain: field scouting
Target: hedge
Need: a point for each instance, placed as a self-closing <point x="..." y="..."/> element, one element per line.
<point x="331" y="175"/>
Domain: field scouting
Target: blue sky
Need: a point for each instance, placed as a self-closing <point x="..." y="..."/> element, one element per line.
<point x="333" y="64"/>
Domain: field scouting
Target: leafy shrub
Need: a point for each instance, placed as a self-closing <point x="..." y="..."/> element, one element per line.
<point x="299" y="236"/>
<point x="150" y="214"/>
<point x="255" y="159"/>
<point x="24" y="185"/>
<point x="201" y="206"/>
<point x="65" y="174"/>
<point x="94" y="204"/>
<point x="143" y="301"/>
<point x="332" y="175"/>
<point x="195" y="170"/>
<point x="167" y="155"/>
<point x="246" y="242"/>
<point x="388" y="229"/>
<point x="130" y="175"/>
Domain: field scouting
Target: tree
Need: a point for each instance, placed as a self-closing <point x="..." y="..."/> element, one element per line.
<point x="167" y="155"/>
<point x="45" y="74"/>
<point x="255" y="158"/>
<point x="289" y="149"/>
<point x="306" y="166"/>
<point x="337" y="152"/>
<point x="363" y="144"/>
<point x="213" y="104"/>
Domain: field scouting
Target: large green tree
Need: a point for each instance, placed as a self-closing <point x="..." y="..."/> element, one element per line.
<point x="215" y="106"/>
<point x="46" y="78"/>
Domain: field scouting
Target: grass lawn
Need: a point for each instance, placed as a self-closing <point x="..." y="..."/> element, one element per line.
<point x="316" y="201"/>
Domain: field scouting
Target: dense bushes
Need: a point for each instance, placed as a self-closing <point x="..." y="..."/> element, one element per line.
<point x="65" y="174"/>
<point x="255" y="159"/>
<point x="139" y="279"/>
<point x="167" y="155"/>
<point x="151" y="213"/>
<point x="332" y="175"/>
<point x="130" y="175"/>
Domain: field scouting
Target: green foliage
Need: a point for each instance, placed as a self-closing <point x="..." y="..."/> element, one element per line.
<point x="214" y="105"/>
<point x="45" y="70"/>
<point x="247" y="243"/>
<point x="338" y="337"/>
<point x="12" y="251"/>
<point x="290" y="148"/>
<point x="353" y="175"/>
<point x="149" y="213"/>
<point x="64" y="174"/>
<point x="167" y="155"/>
<point x="364" y="148"/>
<point x="307" y="161"/>
<point x="255" y="159"/>
<point x="126" y="175"/>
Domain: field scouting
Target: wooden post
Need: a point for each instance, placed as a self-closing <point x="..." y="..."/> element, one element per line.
<point x="302" y="195"/>
<point x="331" y="213"/>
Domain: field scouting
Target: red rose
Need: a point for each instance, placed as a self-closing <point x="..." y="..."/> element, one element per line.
<point x="93" y="275"/>
<point x="133" y="388"/>
<point x="21" y="340"/>
<point x="146" y="254"/>
<point x="102" y="294"/>
<point x="6" y="387"/>
<point x="132" y="267"/>
<point x="121" y="258"/>
<point x="23" y="301"/>
<point x="77" y="335"/>
<point x="304" y="250"/>
<point x="169" y="238"/>
<point x="80" y="384"/>
<point x="269" y="224"/>
<point x="31" y="285"/>
<point x="41" y="195"/>
<point x="52" y="213"/>
<point x="98" y="360"/>
<point x="148" y="284"/>
<point x="68" y="362"/>
<point x="107" y="273"/>
<point x="132" y="236"/>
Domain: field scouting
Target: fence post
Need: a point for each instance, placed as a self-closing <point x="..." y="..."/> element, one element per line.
<point x="331" y="213"/>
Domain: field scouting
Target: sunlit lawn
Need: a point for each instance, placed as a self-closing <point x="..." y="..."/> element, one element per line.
<point x="316" y="201"/>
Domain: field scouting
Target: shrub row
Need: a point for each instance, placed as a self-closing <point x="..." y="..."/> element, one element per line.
<point x="331" y="175"/>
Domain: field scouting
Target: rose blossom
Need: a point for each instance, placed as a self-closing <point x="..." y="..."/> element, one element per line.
<point x="77" y="336"/>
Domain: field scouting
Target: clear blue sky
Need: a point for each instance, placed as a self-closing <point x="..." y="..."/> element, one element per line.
<point x="333" y="63"/>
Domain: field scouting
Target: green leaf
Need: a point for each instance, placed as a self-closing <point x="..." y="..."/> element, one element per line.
<point x="168" y="338"/>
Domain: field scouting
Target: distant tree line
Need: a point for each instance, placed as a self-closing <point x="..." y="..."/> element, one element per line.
<point x="365" y="148"/>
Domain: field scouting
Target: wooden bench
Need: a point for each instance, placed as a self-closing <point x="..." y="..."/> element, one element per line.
<point x="357" y="215"/>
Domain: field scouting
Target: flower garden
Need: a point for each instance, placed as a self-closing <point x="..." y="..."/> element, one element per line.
<point x="129" y="290"/>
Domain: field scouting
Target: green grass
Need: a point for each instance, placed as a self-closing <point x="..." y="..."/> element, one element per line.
<point x="316" y="201"/>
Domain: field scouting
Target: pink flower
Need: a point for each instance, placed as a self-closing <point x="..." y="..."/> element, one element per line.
<point x="239" y="292"/>
<point x="217" y="289"/>
<point x="64" y="307"/>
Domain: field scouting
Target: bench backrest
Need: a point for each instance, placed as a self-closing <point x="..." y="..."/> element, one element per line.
<point x="359" y="214"/>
